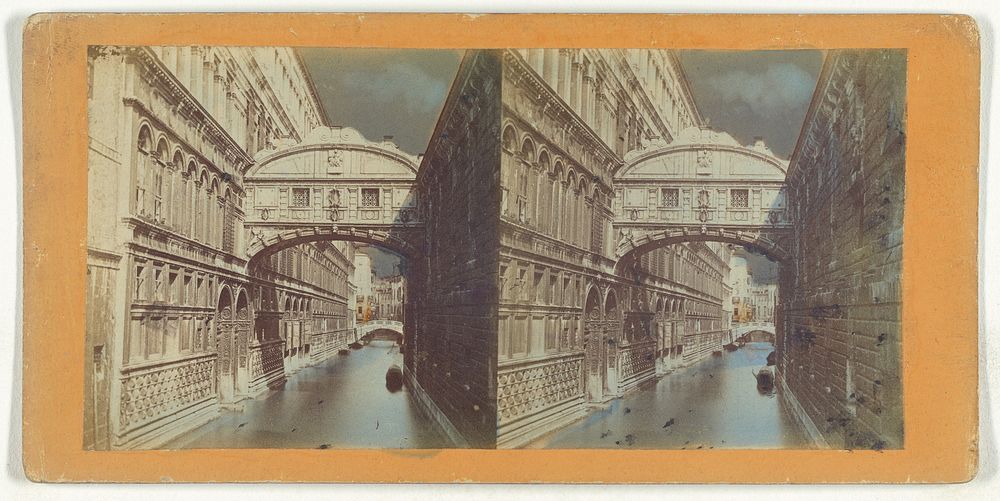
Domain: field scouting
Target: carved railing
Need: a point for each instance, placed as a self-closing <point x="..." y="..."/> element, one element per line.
<point x="636" y="362"/>
<point x="153" y="391"/>
<point x="528" y="387"/>
<point x="325" y="344"/>
<point x="266" y="359"/>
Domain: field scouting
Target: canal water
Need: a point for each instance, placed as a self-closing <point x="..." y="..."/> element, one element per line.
<point x="340" y="403"/>
<point x="713" y="404"/>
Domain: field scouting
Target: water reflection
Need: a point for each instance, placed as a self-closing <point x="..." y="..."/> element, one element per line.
<point x="342" y="403"/>
<point x="713" y="404"/>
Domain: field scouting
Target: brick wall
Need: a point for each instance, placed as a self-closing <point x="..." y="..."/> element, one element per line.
<point x="840" y="344"/>
<point x="453" y="352"/>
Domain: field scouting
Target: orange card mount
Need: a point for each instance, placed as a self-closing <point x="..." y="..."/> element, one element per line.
<point x="500" y="248"/>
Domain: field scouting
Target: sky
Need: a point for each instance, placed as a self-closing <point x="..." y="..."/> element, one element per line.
<point x="400" y="93"/>
<point x="754" y="93"/>
<point x="384" y="92"/>
<point x="384" y="263"/>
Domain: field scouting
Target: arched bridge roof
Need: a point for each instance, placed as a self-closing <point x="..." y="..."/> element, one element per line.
<point x="334" y="153"/>
<point x="703" y="154"/>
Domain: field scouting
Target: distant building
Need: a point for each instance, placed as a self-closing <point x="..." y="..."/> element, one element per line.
<point x="390" y="293"/>
<point x="364" y="279"/>
<point x="752" y="300"/>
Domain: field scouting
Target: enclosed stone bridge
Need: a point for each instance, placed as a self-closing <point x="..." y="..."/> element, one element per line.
<point x="705" y="186"/>
<point x="333" y="185"/>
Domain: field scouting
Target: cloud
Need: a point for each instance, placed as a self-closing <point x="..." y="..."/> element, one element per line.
<point x="398" y="82"/>
<point x="772" y="92"/>
<point x="384" y="263"/>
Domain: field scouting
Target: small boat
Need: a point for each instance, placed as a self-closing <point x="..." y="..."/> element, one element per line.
<point x="394" y="378"/>
<point x="765" y="380"/>
<point x="731" y="347"/>
<point x="354" y="346"/>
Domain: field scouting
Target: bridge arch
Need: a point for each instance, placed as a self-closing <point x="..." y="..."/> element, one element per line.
<point x="754" y="332"/>
<point x="262" y="245"/>
<point x="374" y="328"/>
<point x="632" y="246"/>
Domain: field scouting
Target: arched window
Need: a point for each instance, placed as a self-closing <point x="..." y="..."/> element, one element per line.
<point x="583" y="217"/>
<point x="570" y="213"/>
<point x="176" y="192"/>
<point x="210" y="187"/>
<point x="159" y="169"/>
<point x="201" y="204"/>
<point x="542" y="214"/>
<point x="524" y="178"/>
<point x="142" y="169"/>
<point x="189" y="180"/>
<point x="557" y="202"/>
<point x="509" y="138"/>
<point x="229" y="230"/>
<point x="528" y="150"/>
<point x="212" y="238"/>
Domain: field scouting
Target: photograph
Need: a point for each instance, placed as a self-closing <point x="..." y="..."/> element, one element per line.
<point x="542" y="248"/>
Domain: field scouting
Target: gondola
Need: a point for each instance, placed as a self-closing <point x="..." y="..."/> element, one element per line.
<point x="765" y="380"/>
<point x="394" y="378"/>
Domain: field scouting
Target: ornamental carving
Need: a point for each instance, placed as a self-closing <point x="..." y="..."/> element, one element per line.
<point x="636" y="360"/>
<point x="704" y="160"/>
<point x="148" y="395"/>
<point x="523" y="390"/>
<point x="335" y="161"/>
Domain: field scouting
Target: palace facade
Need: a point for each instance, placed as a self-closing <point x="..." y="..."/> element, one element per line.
<point x="179" y="323"/>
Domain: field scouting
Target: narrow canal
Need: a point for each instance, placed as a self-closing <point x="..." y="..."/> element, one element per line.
<point x="340" y="403"/>
<point x="713" y="404"/>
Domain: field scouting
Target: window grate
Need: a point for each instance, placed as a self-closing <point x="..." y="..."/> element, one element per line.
<point x="300" y="197"/>
<point x="369" y="197"/>
<point x="739" y="198"/>
<point x="669" y="197"/>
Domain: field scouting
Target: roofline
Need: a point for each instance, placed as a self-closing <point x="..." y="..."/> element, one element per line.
<point x="822" y="81"/>
<point x="412" y="163"/>
<point x="682" y="77"/>
<point x="670" y="149"/>
<point x="465" y="66"/>
<point x="323" y="116"/>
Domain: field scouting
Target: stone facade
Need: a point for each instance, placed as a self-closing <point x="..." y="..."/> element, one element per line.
<point x="303" y="309"/>
<point x="177" y="326"/>
<point x="452" y="313"/>
<point x="840" y="339"/>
